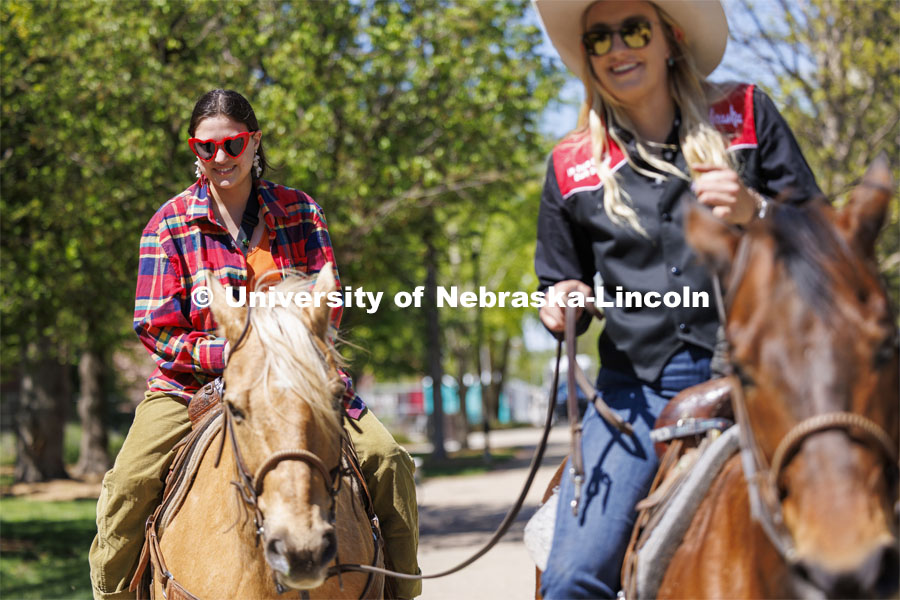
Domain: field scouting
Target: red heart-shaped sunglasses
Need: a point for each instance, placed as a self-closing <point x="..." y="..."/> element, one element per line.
<point x="233" y="146"/>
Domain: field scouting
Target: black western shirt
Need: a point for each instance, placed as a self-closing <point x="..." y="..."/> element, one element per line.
<point x="576" y="238"/>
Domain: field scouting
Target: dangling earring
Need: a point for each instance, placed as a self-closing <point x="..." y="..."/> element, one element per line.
<point x="670" y="62"/>
<point x="256" y="168"/>
<point x="197" y="171"/>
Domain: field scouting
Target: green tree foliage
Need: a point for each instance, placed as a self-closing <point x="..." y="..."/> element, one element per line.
<point x="383" y="112"/>
<point x="836" y="63"/>
<point x="95" y="97"/>
<point x="416" y="113"/>
<point x="396" y="116"/>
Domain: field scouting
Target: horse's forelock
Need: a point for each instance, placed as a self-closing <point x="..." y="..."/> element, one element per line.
<point x="293" y="360"/>
<point x="813" y="253"/>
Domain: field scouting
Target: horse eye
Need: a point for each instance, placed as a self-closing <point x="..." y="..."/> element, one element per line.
<point x="237" y="413"/>
<point x="745" y="379"/>
<point x="886" y="352"/>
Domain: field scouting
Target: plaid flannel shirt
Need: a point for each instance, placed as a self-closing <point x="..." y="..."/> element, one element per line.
<point x="184" y="242"/>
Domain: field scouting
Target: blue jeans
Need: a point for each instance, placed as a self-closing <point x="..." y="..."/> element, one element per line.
<point x="589" y="549"/>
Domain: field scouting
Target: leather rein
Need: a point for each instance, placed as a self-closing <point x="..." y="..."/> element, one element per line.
<point x="251" y="487"/>
<point x="575" y="375"/>
<point x="762" y="477"/>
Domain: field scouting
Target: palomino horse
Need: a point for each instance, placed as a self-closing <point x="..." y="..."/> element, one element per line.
<point x="282" y="396"/>
<point x="814" y="347"/>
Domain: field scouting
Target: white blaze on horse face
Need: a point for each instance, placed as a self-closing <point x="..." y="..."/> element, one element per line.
<point x="295" y="501"/>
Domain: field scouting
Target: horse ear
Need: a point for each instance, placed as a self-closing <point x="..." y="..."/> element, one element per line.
<point x="864" y="215"/>
<point x="230" y="318"/>
<point x="714" y="241"/>
<point x="320" y="316"/>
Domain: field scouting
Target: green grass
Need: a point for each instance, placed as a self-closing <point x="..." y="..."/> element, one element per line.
<point x="464" y="462"/>
<point x="44" y="548"/>
<point x="401" y="438"/>
<point x="71" y="443"/>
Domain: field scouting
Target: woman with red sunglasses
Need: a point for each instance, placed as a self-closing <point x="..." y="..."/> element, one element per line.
<point x="654" y="135"/>
<point x="235" y="226"/>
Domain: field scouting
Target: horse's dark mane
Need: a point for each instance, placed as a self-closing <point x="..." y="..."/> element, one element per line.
<point x="809" y="246"/>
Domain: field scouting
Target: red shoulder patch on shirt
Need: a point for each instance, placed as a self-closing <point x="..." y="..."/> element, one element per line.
<point x="733" y="116"/>
<point x="573" y="164"/>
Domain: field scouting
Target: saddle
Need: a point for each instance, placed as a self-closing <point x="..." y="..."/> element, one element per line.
<point x="684" y="431"/>
<point x="206" y="399"/>
<point x="205" y="411"/>
<point x="693" y="412"/>
<point x="688" y="437"/>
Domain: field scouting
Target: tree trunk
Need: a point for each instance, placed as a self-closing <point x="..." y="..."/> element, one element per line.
<point x="93" y="457"/>
<point x="433" y="342"/>
<point x="463" y="392"/>
<point x="40" y="418"/>
<point x="498" y="374"/>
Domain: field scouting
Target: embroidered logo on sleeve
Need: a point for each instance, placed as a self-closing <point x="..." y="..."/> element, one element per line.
<point x="581" y="170"/>
<point x="732" y="118"/>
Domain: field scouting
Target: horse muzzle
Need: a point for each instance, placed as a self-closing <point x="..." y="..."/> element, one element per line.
<point x="303" y="567"/>
<point x="877" y="576"/>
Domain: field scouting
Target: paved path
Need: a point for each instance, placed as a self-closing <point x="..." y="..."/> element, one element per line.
<point x="457" y="515"/>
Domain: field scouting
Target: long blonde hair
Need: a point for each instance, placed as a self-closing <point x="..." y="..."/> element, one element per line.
<point x="700" y="141"/>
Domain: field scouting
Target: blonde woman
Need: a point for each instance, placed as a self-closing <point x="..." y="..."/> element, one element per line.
<point x="652" y="136"/>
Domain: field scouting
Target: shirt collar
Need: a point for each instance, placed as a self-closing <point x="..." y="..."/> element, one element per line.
<point x="627" y="137"/>
<point x="199" y="206"/>
<point x="274" y="207"/>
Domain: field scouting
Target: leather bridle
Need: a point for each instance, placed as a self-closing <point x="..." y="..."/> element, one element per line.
<point x="250" y="488"/>
<point x="247" y="485"/>
<point x="763" y="478"/>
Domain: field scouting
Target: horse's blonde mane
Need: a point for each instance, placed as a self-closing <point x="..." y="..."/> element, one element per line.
<point x="292" y="359"/>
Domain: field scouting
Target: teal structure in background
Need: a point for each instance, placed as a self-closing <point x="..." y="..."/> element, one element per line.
<point x="450" y="400"/>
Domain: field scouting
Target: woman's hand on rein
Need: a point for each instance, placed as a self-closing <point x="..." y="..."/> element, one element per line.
<point x="721" y="190"/>
<point x="554" y="317"/>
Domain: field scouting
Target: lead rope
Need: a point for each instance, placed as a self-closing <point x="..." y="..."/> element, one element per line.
<point x="573" y="375"/>
<point x="507" y="520"/>
<point x="576" y="465"/>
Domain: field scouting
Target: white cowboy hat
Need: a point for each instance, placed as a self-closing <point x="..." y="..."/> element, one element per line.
<point x="703" y="23"/>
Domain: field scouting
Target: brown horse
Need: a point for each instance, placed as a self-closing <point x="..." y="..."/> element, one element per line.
<point x="282" y="397"/>
<point x="814" y="346"/>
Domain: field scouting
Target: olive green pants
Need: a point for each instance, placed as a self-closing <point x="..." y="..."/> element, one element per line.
<point x="133" y="488"/>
